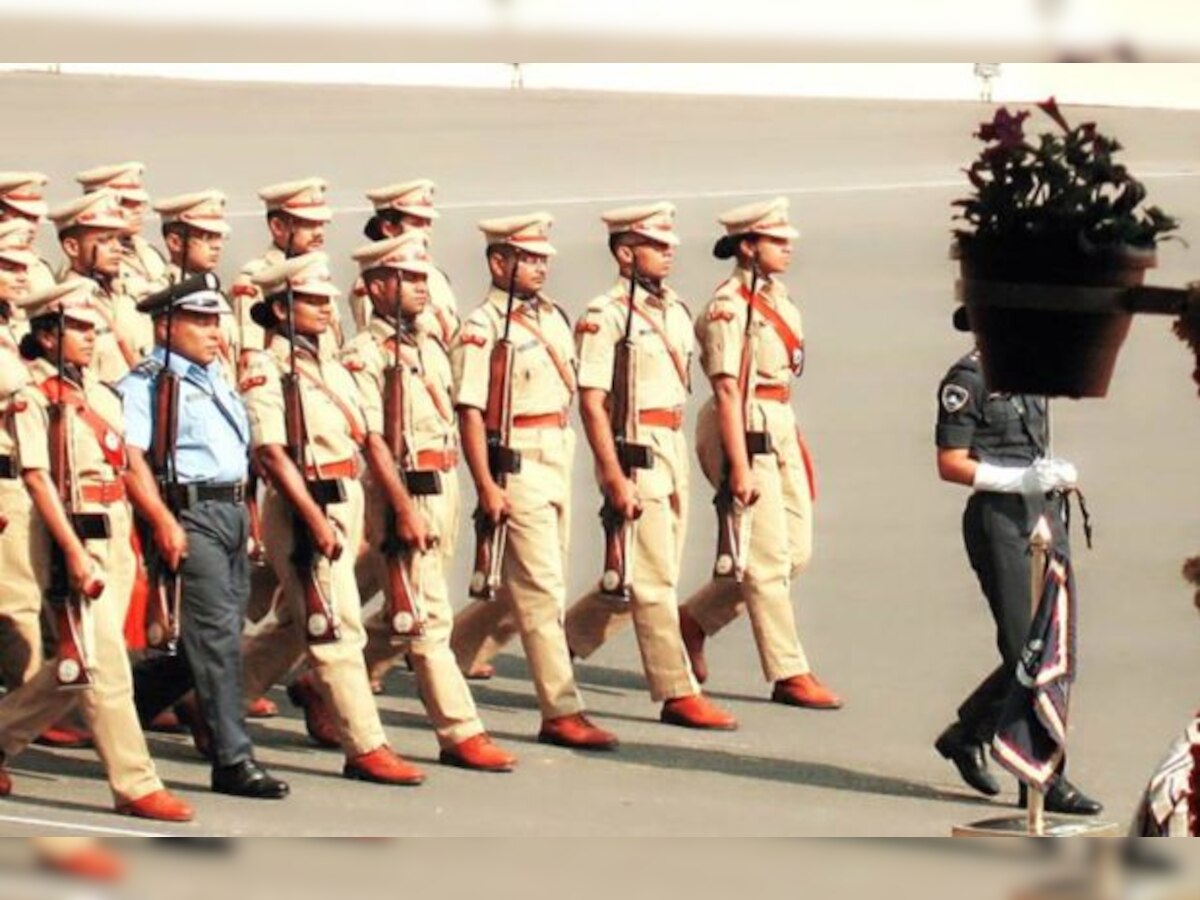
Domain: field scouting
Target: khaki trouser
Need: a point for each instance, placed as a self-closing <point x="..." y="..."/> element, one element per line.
<point x="20" y="595"/>
<point x="534" y="574"/>
<point x="107" y="706"/>
<point x="659" y="536"/>
<point x="784" y="508"/>
<point x="279" y="642"/>
<point x="443" y="689"/>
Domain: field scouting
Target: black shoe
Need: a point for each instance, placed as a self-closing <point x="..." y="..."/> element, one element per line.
<point x="968" y="757"/>
<point x="1065" y="799"/>
<point x="248" y="779"/>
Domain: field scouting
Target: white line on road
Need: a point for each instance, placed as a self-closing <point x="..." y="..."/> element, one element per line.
<point x="73" y="827"/>
<point x="614" y="199"/>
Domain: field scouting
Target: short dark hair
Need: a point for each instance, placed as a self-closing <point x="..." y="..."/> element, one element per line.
<point x="507" y="251"/>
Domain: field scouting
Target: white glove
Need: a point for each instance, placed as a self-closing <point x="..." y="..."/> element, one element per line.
<point x="1041" y="478"/>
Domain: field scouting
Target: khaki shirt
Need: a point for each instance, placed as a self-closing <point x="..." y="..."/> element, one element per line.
<point x="94" y="459"/>
<point x="543" y="377"/>
<point x="440" y="317"/>
<point x="721" y="332"/>
<point x="663" y="350"/>
<point x="428" y="385"/>
<point x="123" y="330"/>
<point x="250" y="335"/>
<point x="143" y="270"/>
<point x="333" y="409"/>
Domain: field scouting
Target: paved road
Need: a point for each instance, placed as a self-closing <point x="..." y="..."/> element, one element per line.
<point x="890" y="612"/>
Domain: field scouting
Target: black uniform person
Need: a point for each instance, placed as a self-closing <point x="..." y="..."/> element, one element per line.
<point x="997" y="445"/>
<point x="200" y="528"/>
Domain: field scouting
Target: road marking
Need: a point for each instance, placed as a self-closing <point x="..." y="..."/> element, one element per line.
<point x="615" y="199"/>
<point x="70" y="826"/>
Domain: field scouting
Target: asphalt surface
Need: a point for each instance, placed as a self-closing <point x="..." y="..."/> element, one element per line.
<point x="890" y="612"/>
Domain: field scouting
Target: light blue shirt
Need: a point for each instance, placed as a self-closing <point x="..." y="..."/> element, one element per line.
<point x="214" y="430"/>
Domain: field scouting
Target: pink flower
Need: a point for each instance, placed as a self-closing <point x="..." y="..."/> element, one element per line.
<point x="1050" y="108"/>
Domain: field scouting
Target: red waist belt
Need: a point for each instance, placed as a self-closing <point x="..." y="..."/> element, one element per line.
<point x="105" y="493"/>
<point x="662" y="418"/>
<point x="776" y="393"/>
<point x="437" y="460"/>
<point x="346" y="469"/>
<point x="547" y="420"/>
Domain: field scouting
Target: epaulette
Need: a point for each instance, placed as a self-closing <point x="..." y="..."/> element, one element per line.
<point x="147" y="368"/>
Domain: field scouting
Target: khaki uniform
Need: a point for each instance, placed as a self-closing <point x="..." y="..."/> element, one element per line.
<point x="535" y="563"/>
<point x="143" y="270"/>
<point x="440" y="318"/>
<point x="20" y="595"/>
<point x="785" y="507"/>
<point x="662" y="334"/>
<point x="431" y="440"/>
<point x="246" y="294"/>
<point x="336" y="430"/>
<point x="108" y="705"/>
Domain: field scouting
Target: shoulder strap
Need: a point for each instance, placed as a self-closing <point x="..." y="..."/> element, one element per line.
<point x="791" y="342"/>
<point x="564" y="371"/>
<point x="430" y="387"/>
<point x="680" y="365"/>
<point x="110" y="441"/>
<point x="356" y="431"/>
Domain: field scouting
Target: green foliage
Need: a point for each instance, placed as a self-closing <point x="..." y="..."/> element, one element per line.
<point x="1062" y="191"/>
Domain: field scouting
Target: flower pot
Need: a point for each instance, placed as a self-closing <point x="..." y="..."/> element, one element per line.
<point x="1050" y="325"/>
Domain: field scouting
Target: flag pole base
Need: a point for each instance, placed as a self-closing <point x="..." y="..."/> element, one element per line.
<point x="1055" y="828"/>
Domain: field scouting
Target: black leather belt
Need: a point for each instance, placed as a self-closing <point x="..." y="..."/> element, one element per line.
<point x="186" y="496"/>
<point x="8" y="468"/>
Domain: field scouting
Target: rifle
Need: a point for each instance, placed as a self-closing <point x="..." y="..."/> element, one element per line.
<point x="321" y="625"/>
<point x="733" y="531"/>
<point x="619" y="532"/>
<point x="166" y="586"/>
<point x="73" y="670"/>
<point x="491" y="538"/>
<point x="405" y="612"/>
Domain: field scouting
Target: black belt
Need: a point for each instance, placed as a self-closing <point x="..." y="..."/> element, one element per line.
<point x="186" y="496"/>
<point x="8" y="468"/>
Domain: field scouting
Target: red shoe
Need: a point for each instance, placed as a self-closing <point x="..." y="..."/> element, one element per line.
<point x="697" y="712"/>
<point x="262" y="708"/>
<point x="479" y="754"/>
<point x="693" y="642"/>
<point x="304" y="695"/>
<point x="166" y="722"/>
<point x="481" y="673"/>
<point x="189" y="714"/>
<point x="161" y="806"/>
<point x="577" y="733"/>
<point x="6" y="784"/>
<point x="806" y="692"/>
<point x="88" y="863"/>
<point x="64" y="737"/>
<point x="383" y="766"/>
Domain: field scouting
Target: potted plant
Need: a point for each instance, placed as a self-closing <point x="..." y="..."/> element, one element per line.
<point x="1055" y="234"/>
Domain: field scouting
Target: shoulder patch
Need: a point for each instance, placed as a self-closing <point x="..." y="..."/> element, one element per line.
<point x="586" y="326"/>
<point x="251" y="382"/>
<point x="955" y="398"/>
<point x="244" y="289"/>
<point x="149" y="367"/>
<point x="719" y="313"/>
<point x="473" y="340"/>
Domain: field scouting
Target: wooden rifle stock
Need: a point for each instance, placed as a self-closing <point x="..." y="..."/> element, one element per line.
<point x="491" y="538"/>
<point x="73" y="666"/>
<point x="405" y="613"/>
<point x="619" y="532"/>
<point x="163" y="610"/>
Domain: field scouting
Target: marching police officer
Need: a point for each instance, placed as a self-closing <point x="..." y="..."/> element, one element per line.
<point x="997" y="445"/>
<point x="297" y="216"/>
<point x="400" y="209"/>
<point x="296" y="310"/>
<point x="536" y="503"/>
<point x="90" y="230"/>
<point x="143" y="269"/>
<point x="395" y="274"/>
<point x="772" y="492"/>
<point x="98" y="564"/>
<point x="197" y="518"/>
